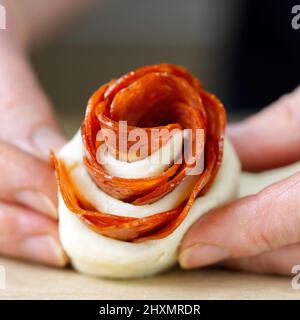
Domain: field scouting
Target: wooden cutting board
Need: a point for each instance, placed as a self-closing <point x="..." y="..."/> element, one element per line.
<point x="26" y="281"/>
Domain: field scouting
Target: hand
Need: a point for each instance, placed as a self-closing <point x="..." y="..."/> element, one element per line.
<point x="28" y="195"/>
<point x="28" y="130"/>
<point x="259" y="233"/>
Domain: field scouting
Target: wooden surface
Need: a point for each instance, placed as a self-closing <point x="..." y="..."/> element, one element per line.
<point x="25" y="281"/>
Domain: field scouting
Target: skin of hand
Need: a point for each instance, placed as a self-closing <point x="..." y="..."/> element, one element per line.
<point x="258" y="233"/>
<point x="28" y="130"/>
<point x="28" y="214"/>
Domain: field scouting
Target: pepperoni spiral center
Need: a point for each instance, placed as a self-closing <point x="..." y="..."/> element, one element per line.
<point x="163" y="97"/>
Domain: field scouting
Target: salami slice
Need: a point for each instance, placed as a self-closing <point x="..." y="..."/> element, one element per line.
<point x="162" y="97"/>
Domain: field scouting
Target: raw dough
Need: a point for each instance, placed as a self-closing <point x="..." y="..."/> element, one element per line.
<point x="97" y="255"/>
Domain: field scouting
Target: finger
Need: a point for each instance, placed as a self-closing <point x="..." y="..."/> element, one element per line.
<point x="26" y="118"/>
<point x="27" y="235"/>
<point x="280" y="261"/>
<point x="27" y="180"/>
<point x="270" y="138"/>
<point x="248" y="226"/>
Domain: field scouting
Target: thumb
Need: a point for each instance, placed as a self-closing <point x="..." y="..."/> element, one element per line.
<point x="270" y="138"/>
<point x="246" y="227"/>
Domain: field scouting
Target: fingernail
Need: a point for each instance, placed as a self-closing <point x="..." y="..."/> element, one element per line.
<point x="46" y="138"/>
<point x="201" y="255"/>
<point x="43" y="249"/>
<point x="38" y="201"/>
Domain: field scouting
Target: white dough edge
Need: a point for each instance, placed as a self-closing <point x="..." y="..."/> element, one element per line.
<point x="97" y="255"/>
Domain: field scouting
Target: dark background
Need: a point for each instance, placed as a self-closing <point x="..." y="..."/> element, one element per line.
<point x="244" y="51"/>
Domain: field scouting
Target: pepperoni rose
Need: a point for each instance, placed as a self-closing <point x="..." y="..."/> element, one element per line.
<point x="162" y="97"/>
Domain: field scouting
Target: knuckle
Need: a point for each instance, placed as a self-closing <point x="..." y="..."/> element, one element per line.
<point x="290" y="109"/>
<point x="261" y="233"/>
<point x="277" y="215"/>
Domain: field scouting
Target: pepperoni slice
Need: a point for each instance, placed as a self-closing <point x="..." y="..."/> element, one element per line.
<point x="165" y="97"/>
